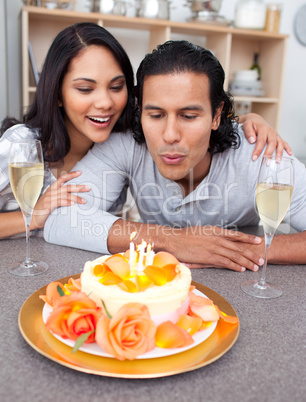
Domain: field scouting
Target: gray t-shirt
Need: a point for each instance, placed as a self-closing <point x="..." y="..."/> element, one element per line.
<point x="226" y="197"/>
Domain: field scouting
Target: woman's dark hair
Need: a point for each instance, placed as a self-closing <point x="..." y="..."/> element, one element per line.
<point x="44" y="113"/>
<point x="181" y="56"/>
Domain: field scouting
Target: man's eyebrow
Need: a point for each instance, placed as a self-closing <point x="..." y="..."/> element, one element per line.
<point x="152" y="107"/>
<point x="94" y="81"/>
<point x="189" y="107"/>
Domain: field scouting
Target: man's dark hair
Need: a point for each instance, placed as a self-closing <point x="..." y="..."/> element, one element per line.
<point x="179" y="57"/>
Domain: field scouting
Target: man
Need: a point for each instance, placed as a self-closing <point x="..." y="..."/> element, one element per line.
<point x="190" y="177"/>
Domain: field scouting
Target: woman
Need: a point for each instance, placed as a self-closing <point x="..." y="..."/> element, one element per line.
<point x="84" y="93"/>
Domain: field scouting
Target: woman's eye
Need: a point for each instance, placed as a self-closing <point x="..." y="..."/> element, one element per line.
<point x="84" y="90"/>
<point x="117" y="88"/>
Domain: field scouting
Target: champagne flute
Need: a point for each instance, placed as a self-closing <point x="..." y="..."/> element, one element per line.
<point x="273" y="197"/>
<point x="26" y="172"/>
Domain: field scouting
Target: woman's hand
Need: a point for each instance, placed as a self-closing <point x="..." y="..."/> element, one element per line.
<point x="57" y="195"/>
<point x="255" y="126"/>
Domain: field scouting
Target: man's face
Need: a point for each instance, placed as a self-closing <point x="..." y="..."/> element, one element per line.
<point x="177" y="122"/>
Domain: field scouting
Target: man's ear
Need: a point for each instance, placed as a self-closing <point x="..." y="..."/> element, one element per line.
<point x="217" y="117"/>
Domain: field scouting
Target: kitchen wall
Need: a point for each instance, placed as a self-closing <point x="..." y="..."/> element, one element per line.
<point x="292" y="126"/>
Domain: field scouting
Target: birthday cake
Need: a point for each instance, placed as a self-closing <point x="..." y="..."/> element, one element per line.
<point x="128" y="304"/>
<point x="158" y="281"/>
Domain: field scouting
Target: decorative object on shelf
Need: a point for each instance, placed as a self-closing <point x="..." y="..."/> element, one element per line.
<point x="273" y="17"/>
<point x="207" y="11"/>
<point x="119" y="8"/>
<point x="246" y="83"/>
<point x="106" y="6"/>
<point x="84" y="6"/>
<point x="242" y="107"/>
<point x="300" y="25"/>
<point x="250" y="14"/>
<point x="153" y="9"/>
<point x="33" y="63"/>
<point x="63" y="4"/>
<point x="255" y="65"/>
<point x="31" y="2"/>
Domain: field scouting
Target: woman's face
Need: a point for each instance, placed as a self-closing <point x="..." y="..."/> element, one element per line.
<point x="94" y="95"/>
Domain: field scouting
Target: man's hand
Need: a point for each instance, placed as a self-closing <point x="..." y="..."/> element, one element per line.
<point x="196" y="246"/>
<point x="211" y="246"/>
<point x="257" y="129"/>
<point x="57" y="195"/>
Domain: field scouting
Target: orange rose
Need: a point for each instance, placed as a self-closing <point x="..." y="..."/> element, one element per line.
<point x="52" y="293"/>
<point x="74" y="315"/>
<point x="128" y="334"/>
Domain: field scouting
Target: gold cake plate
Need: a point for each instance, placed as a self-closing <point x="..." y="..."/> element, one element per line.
<point x="33" y="330"/>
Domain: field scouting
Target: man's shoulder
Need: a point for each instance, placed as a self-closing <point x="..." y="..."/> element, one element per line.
<point x="118" y="140"/>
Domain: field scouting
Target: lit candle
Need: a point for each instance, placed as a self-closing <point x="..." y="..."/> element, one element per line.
<point x="132" y="260"/>
<point x="141" y="249"/>
<point x="150" y="255"/>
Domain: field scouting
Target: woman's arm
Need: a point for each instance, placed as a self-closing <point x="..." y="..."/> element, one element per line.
<point x="257" y="129"/>
<point x="57" y="195"/>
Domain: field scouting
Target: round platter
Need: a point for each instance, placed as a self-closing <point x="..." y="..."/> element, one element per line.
<point x="36" y="335"/>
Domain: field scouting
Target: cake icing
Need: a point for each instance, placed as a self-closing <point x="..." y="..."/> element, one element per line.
<point x="167" y="301"/>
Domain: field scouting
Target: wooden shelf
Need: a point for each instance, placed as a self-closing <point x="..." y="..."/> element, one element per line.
<point x="234" y="47"/>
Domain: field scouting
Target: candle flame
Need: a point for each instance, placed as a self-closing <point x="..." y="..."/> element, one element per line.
<point x="133" y="234"/>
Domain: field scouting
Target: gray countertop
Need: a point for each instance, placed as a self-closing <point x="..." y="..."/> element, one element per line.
<point x="267" y="362"/>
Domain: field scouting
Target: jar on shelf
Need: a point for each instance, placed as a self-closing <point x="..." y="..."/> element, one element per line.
<point x="273" y="17"/>
<point x="250" y="14"/>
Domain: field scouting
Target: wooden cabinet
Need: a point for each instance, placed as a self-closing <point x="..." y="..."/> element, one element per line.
<point x="234" y="48"/>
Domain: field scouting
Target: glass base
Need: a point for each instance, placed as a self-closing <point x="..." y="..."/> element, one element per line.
<point x="28" y="268"/>
<point x="267" y="291"/>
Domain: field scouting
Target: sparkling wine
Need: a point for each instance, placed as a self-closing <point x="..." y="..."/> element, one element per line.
<point x="273" y="201"/>
<point x="26" y="181"/>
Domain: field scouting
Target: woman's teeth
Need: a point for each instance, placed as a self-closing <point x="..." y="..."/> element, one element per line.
<point x="99" y="119"/>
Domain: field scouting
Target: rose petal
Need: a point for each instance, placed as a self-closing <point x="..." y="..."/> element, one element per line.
<point x="110" y="279"/>
<point x="190" y="324"/>
<point x="100" y="269"/>
<point x="163" y="258"/>
<point x="169" y="335"/>
<point x="157" y="275"/>
<point x="74" y="285"/>
<point x="199" y="300"/>
<point x="171" y="271"/>
<point x="52" y="293"/>
<point x="119" y="265"/>
<point x="206" y="313"/>
<point x="143" y="281"/>
<point x="227" y="318"/>
<point x="128" y="286"/>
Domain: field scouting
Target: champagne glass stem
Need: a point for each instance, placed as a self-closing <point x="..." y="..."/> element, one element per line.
<point x="27" y="219"/>
<point x="268" y="241"/>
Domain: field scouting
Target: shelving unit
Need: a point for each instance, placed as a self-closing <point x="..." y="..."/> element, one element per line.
<point x="234" y="48"/>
